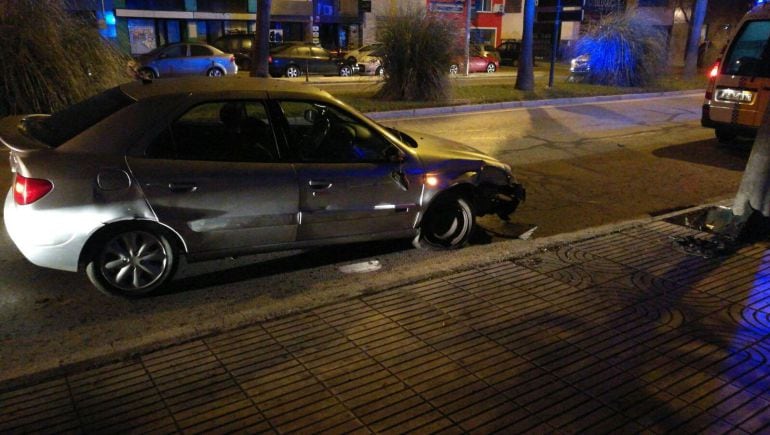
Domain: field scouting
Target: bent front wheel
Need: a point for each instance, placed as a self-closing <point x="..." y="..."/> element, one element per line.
<point x="448" y="224"/>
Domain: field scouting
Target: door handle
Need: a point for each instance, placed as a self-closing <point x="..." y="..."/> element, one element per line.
<point x="319" y="185"/>
<point x="182" y="187"/>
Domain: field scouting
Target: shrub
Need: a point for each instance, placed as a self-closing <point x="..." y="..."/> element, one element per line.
<point x="50" y="59"/>
<point x="624" y="49"/>
<point x="417" y="51"/>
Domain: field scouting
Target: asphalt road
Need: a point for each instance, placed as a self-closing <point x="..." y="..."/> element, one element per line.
<point x="583" y="165"/>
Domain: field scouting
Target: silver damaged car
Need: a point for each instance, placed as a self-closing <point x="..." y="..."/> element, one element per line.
<point x="124" y="184"/>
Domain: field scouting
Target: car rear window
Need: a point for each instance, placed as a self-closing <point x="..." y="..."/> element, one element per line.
<point x="750" y="53"/>
<point x="65" y="124"/>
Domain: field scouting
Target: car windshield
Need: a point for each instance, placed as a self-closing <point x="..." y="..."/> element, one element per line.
<point x="62" y="126"/>
<point x="750" y="54"/>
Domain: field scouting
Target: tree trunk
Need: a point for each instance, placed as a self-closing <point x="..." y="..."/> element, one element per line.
<point x="525" y="80"/>
<point x="754" y="191"/>
<point x="260" y="50"/>
<point x="693" y="43"/>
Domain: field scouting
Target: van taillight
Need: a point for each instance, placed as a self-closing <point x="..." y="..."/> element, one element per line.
<point x="714" y="71"/>
<point x="28" y="190"/>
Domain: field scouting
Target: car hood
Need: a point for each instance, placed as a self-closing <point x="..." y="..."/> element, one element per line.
<point x="433" y="150"/>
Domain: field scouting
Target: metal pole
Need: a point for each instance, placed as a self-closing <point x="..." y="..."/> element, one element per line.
<point x="467" y="37"/>
<point x="556" y="36"/>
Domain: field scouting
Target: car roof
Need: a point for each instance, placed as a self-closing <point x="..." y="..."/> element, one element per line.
<point x="140" y="90"/>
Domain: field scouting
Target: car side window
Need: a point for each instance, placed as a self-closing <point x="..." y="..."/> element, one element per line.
<point x="227" y="131"/>
<point x="199" y="50"/>
<point x="175" y="51"/>
<point x="321" y="133"/>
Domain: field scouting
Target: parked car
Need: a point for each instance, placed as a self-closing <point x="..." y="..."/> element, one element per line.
<point x="294" y="60"/>
<point x="369" y="62"/>
<point x="241" y="44"/>
<point x="509" y="50"/>
<point x="476" y="64"/>
<point x="355" y="56"/>
<point x="484" y="50"/>
<point x="203" y="169"/>
<point x="579" y="67"/>
<point x="185" y="59"/>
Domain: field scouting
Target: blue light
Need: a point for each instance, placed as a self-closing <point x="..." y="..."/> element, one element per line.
<point x="109" y="18"/>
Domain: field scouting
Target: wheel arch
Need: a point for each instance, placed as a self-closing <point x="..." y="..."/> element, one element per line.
<point x="464" y="189"/>
<point x="103" y="233"/>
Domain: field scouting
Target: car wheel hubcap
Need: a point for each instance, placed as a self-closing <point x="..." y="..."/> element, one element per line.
<point x="292" y="72"/>
<point x="215" y="73"/>
<point x="134" y="260"/>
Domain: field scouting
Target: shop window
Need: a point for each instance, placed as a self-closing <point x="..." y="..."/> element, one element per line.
<point x="483" y="5"/>
<point x="141" y="35"/>
<point x="156" y="5"/>
<point x="512" y="6"/>
<point x="222" y="6"/>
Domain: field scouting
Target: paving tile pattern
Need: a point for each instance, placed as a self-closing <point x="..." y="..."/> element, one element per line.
<point x="619" y="333"/>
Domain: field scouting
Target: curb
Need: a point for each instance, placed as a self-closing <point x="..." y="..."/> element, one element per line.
<point x="471" y="108"/>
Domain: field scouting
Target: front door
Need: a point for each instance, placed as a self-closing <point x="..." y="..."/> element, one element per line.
<point x="353" y="183"/>
<point x="215" y="177"/>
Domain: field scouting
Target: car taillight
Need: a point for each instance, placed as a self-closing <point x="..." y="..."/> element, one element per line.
<point x="232" y="58"/>
<point x="269" y="59"/>
<point x="28" y="190"/>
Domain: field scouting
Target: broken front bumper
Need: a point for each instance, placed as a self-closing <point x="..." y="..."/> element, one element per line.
<point x="500" y="200"/>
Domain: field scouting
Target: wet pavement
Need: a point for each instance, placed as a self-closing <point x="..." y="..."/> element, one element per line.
<point x="615" y="332"/>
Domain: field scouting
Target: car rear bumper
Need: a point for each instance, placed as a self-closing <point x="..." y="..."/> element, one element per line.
<point x="41" y="242"/>
<point x="707" y="120"/>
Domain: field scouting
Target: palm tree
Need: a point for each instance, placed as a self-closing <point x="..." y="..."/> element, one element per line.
<point x="261" y="47"/>
<point x="691" y="56"/>
<point x="525" y="80"/>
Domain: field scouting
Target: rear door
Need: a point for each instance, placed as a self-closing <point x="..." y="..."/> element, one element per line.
<point x="216" y="177"/>
<point x="350" y="186"/>
<point x="743" y="88"/>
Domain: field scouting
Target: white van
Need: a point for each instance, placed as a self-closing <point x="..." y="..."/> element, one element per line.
<point x="739" y="85"/>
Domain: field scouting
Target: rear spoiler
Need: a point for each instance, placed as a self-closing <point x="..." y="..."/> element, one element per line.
<point x="13" y="134"/>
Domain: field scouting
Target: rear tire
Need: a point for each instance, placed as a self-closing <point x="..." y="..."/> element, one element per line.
<point x="346" y="71"/>
<point x="725" y="136"/>
<point x="491" y="68"/>
<point x="454" y="68"/>
<point x="132" y="262"/>
<point x="147" y="74"/>
<point x="293" y="71"/>
<point x="448" y="224"/>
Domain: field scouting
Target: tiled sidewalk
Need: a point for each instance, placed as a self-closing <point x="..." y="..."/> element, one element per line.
<point x="618" y="333"/>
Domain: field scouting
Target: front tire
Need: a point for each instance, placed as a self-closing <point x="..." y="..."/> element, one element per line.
<point x="491" y="68"/>
<point x="215" y="72"/>
<point x="454" y="68"/>
<point x="132" y="263"/>
<point x="448" y="224"/>
<point x="346" y="71"/>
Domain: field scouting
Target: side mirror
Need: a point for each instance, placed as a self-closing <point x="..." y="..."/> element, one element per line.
<point x="311" y="115"/>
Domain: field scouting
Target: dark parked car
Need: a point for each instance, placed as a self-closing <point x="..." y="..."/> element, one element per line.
<point x="186" y="59"/>
<point x="206" y="168"/>
<point x="241" y="45"/>
<point x="509" y="51"/>
<point x="294" y="60"/>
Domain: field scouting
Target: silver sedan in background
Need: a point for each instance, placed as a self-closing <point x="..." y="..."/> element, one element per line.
<point x="124" y="184"/>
